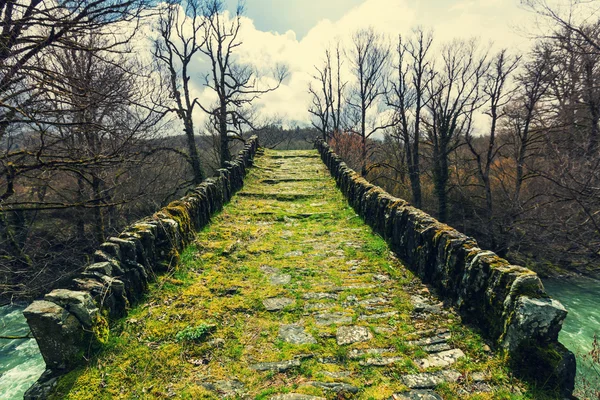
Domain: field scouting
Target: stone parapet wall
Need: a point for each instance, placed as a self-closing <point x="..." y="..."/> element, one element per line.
<point x="70" y="321"/>
<point x="507" y="303"/>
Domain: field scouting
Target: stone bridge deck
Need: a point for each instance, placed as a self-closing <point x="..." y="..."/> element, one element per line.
<point x="288" y="295"/>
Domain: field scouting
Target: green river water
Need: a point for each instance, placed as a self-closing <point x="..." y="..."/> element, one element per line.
<point x="21" y="363"/>
<point x="581" y="297"/>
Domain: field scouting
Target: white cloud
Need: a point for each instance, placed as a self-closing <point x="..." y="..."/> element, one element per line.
<point x="492" y="20"/>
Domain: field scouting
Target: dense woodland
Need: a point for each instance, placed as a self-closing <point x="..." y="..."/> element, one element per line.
<point x="501" y="146"/>
<point x="93" y="136"/>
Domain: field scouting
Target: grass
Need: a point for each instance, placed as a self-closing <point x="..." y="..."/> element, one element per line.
<point x="163" y="349"/>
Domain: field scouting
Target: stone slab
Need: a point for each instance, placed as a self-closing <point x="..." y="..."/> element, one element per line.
<point x="295" y="334"/>
<point x="277" y="303"/>
<point x="441" y="359"/>
<point x="280" y="366"/>
<point x="353" y="334"/>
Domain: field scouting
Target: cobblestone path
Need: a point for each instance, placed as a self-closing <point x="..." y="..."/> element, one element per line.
<point x="288" y="295"/>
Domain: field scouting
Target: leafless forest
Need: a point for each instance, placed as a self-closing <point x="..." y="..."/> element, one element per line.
<point x="502" y="146"/>
<point x="93" y="136"/>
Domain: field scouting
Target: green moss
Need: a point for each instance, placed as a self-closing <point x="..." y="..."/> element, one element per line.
<point x="101" y="329"/>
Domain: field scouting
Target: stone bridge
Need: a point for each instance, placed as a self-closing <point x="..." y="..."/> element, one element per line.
<point x="288" y="294"/>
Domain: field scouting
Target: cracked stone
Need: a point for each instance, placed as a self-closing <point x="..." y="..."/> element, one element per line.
<point x="352" y="334"/>
<point x="380" y="361"/>
<point x="381" y="278"/>
<point x="328" y="360"/>
<point x="423" y="305"/>
<point x="296" y="396"/>
<point x="478" y="377"/>
<point x="441" y="359"/>
<point x="356" y="353"/>
<point x="429" y="380"/>
<point x="227" y="388"/>
<point x="436" y="348"/>
<point x="352" y="287"/>
<point x="267" y="269"/>
<point x="378" y="316"/>
<point x="281" y="279"/>
<point x="286" y="234"/>
<point x="384" y="330"/>
<point x="375" y="301"/>
<point x="295" y="334"/>
<point x="320" y="296"/>
<point x="440" y="338"/>
<point x="332" y="318"/>
<point x="417" y="395"/>
<point x="77" y="303"/>
<point x="431" y="332"/>
<point x="338" y="387"/>
<point x="295" y="253"/>
<point x="280" y="366"/>
<point x="277" y="303"/>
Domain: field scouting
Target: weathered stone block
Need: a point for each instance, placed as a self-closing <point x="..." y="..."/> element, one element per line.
<point x="127" y="250"/>
<point x="532" y="319"/>
<point x="59" y="334"/>
<point x="80" y="304"/>
<point x="111" y="249"/>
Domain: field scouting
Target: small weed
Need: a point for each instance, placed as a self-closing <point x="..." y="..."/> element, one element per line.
<point x="194" y="334"/>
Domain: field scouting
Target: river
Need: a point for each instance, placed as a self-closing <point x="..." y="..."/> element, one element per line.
<point x="21" y="363"/>
<point x="581" y="297"/>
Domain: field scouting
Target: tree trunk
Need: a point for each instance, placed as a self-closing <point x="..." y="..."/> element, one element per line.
<point x="440" y="177"/>
<point x="80" y="212"/>
<point x="98" y="217"/>
<point x="489" y="211"/>
<point x="363" y="128"/>
<point x="415" y="175"/>
<point x="10" y="244"/>
<point x="225" y="154"/>
<point x="194" y="156"/>
<point x="415" y="169"/>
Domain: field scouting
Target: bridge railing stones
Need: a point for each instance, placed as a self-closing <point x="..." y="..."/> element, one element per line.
<point x="70" y="321"/>
<point x="507" y="303"/>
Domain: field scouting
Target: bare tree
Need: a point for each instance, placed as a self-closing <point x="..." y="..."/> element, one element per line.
<point x="534" y="82"/>
<point x="328" y="99"/>
<point x="564" y="19"/>
<point x="236" y="85"/>
<point x="497" y="94"/>
<point x="30" y="29"/>
<point x="407" y="96"/>
<point x="369" y="59"/>
<point x="80" y="167"/>
<point x="181" y="31"/>
<point x="455" y="94"/>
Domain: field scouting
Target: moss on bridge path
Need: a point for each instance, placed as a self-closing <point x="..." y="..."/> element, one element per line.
<point x="288" y="295"/>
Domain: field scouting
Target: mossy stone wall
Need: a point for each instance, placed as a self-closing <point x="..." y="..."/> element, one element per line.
<point x="64" y="322"/>
<point x="506" y="302"/>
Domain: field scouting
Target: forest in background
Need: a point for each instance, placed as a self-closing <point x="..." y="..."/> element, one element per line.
<point x="96" y="131"/>
<point x="94" y="136"/>
<point x="501" y="146"/>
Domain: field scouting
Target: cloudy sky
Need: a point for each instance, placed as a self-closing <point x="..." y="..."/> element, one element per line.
<point x="296" y="32"/>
